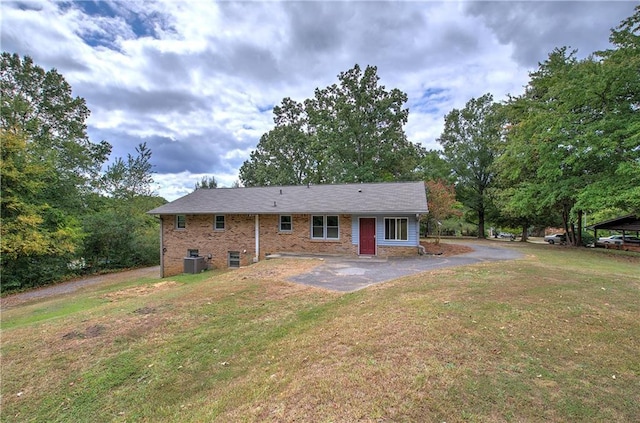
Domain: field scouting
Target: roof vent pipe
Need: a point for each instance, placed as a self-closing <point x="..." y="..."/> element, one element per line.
<point x="274" y="204"/>
<point x="280" y="192"/>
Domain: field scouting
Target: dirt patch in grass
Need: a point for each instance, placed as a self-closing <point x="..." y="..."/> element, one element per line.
<point x="92" y="331"/>
<point x="282" y="268"/>
<point x="445" y="249"/>
<point x="137" y="291"/>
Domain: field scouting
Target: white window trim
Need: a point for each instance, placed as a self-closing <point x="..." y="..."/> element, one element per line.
<point x="215" y="222"/>
<point x="177" y="227"/>
<point x="397" y="229"/>
<point x="324" y="227"/>
<point x="280" y="223"/>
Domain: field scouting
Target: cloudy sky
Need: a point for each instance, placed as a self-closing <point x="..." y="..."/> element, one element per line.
<point x="197" y="80"/>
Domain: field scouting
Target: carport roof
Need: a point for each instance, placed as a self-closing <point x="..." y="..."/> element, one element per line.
<point x="625" y="223"/>
<point x="390" y="197"/>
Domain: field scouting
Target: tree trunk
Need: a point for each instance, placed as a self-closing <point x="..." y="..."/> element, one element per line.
<point x="524" y="232"/>
<point x="565" y="224"/>
<point x="481" y="224"/>
<point x="579" y="234"/>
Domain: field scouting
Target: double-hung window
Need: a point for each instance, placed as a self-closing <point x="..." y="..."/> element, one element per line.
<point x="218" y="222"/>
<point x="396" y="228"/>
<point x="181" y="221"/>
<point x="325" y="227"/>
<point x="286" y="224"/>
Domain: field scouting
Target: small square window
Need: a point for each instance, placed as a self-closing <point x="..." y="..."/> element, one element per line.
<point x="234" y="258"/>
<point x="286" y="224"/>
<point x="219" y="222"/>
<point x="181" y="221"/>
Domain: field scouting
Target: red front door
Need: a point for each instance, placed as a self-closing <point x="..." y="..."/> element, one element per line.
<point x="368" y="236"/>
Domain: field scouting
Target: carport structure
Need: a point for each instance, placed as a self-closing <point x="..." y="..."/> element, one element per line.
<point x="624" y="224"/>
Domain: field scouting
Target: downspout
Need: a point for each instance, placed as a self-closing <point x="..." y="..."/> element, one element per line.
<point x="421" y="250"/>
<point x="257" y="257"/>
<point x="161" y="247"/>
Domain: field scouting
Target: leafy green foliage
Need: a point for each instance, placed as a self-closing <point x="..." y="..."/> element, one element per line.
<point x="441" y="197"/>
<point x="286" y="155"/>
<point x="41" y="106"/>
<point x="470" y="139"/>
<point x="434" y="167"/>
<point x="568" y="146"/>
<point x="125" y="180"/>
<point x="348" y="132"/>
<point x="32" y="231"/>
<point x="574" y="136"/>
<point x="120" y="234"/>
<point x="50" y="177"/>
<point x="207" y="182"/>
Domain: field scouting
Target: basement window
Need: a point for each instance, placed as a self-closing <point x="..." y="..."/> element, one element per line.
<point x="234" y="258"/>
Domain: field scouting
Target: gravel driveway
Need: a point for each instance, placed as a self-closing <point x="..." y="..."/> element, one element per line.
<point x="351" y="274"/>
<point x="71" y="286"/>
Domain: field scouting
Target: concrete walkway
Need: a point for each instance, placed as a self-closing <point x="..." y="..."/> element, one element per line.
<point x="351" y="274"/>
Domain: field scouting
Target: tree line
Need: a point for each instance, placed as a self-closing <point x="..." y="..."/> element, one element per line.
<point x="62" y="215"/>
<point x="570" y="144"/>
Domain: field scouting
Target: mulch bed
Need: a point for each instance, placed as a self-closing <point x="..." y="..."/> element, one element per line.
<point x="445" y="249"/>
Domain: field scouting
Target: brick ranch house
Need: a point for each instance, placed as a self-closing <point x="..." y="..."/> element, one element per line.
<point x="233" y="227"/>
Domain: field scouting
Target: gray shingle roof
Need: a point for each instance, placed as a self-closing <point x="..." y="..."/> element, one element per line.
<point x="396" y="197"/>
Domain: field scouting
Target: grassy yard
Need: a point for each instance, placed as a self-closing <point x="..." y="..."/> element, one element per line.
<point x="554" y="336"/>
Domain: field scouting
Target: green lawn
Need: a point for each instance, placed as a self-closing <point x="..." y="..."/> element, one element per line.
<point x="554" y="336"/>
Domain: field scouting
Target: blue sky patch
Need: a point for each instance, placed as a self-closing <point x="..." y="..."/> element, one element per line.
<point x="139" y="24"/>
<point x="430" y="101"/>
<point x="267" y="108"/>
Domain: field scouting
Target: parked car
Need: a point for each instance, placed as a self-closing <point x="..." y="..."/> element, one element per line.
<point x="618" y="239"/>
<point x="506" y="235"/>
<point x="556" y="238"/>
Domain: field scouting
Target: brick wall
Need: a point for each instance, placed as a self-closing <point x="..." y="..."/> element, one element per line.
<point x="387" y="251"/>
<point x="239" y="235"/>
<point x="299" y="239"/>
<point x="199" y="234"/>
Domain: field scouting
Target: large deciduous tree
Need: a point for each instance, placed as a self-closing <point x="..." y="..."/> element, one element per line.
<point x="470" y="140"/>
<point x="40" y="105"/>
<point x="32" y="231"/>
<point x="574" y="135"/>
<point x="614" y="96"/>
<point x="49" y="166"/>
<point x="56" y="207"/>
<point x="289" y="154"/>
<point x="348" y="132"/>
